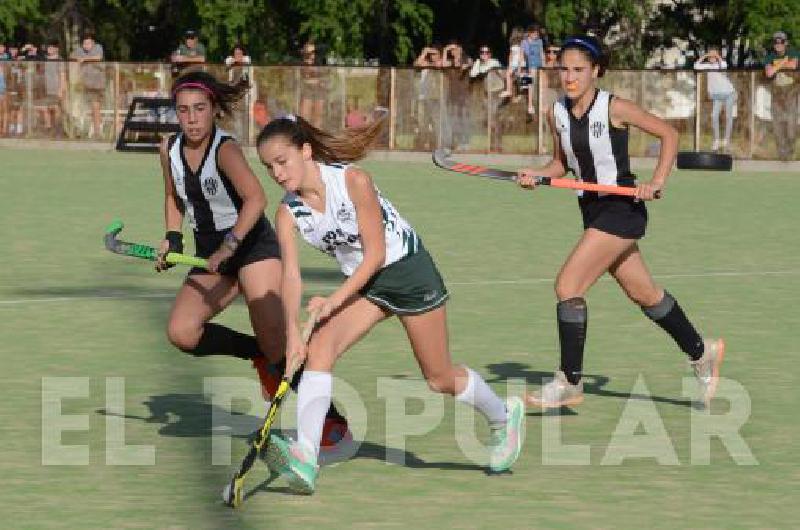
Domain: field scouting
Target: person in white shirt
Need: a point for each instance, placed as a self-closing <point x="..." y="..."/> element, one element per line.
<point x="336" y="208"/>
<point x="721" y="92"/>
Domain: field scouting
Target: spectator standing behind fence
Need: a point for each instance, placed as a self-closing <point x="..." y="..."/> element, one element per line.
<point x="54" y="90"/>
<point x="15" y="85"/>
<point x="238" y="66"/>
<point x="4" y="58"/>
<point x="488" y="69"/>
<point x="778" y="65"/>
<point x="190" y="52"/>
<point x="429" y="58"/>
<point x="93" y="83"/>
<point x="313" y="85"/>
<point x="456" y="66"/>
<point x="30" y="52"/>
<point x="516" y="61"/>
<point x="533" y="52"/>
<point x="721" y="92"/>
<point x="237" y="63"/>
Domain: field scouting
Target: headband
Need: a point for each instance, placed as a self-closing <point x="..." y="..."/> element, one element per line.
<point x="585" y="44"/>
<point x="195" y="85"/>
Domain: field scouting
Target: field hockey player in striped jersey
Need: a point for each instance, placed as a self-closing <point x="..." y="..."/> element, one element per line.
<point x="590" y="138"/>
<point x="208" y="181"/>
<point x="337" y="209"/>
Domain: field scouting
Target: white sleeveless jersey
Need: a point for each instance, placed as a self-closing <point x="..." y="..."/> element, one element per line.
<point x="335" y="231"/>
<point x="595" y="151"/>
<point x="210" y="200"/>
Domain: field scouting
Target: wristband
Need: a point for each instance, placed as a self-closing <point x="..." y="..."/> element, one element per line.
<point x="175" y="240"/>
<point x="231" y="241"/>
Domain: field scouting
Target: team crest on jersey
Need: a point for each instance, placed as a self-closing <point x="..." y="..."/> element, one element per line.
<point x="597" y="129"/>
<point x="343" y="214"/>
<point x="210" y="185"/>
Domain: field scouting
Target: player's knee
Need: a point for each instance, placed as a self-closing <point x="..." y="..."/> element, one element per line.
<point x="565" y="288"/>
<point x="183" y="337"/>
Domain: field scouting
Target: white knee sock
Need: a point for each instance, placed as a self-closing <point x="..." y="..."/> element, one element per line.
<point x="478" y="394"/>
<point x="313" y="400"/>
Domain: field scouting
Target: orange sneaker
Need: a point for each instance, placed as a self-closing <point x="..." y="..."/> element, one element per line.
<point x="334" y="432"/>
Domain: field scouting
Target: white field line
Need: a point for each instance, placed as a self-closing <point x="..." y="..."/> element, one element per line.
<point x="327" y="286"/>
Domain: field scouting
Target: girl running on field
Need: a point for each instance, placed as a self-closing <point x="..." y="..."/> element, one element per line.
<point x="337" y="209"/>
<point x="208" y="181"/>
<point x="590" y="138"/>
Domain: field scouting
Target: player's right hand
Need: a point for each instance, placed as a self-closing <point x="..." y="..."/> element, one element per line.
<point x="163" y="250"/>
<point x="526" y="178"/>
<point x="296" y="352"/>
<point x="172" y="242"/>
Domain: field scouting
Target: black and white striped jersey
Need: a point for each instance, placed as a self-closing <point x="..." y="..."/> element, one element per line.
<point x="210" y="200"/>
<point x="595" y="150"/>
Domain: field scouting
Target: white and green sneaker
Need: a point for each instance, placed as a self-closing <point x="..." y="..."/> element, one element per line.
<point x="557" y="393"/>
<point x="506" y="442"/>
<point x="706" y="368"/>
<point x="295" y="462"/>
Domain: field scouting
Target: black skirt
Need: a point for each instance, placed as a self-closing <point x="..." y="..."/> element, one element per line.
<point x="259" y="244"/>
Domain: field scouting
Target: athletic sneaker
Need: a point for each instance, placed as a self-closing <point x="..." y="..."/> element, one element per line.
<point x="706" y="368"/>
<point x="507" y="440"/>
<point x="294" y="461"/>
<point x="557" y="393"/>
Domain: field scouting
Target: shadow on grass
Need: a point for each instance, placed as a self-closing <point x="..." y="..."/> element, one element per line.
<point x="190" y="416"/>
<point x="592" y="384"/>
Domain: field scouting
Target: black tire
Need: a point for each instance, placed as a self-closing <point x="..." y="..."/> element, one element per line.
<point x="701" y="160"/>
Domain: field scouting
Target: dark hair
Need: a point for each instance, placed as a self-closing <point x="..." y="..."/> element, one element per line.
<point x="223" y="95"/>
<point x="239" y="46"/>
<point x="88" y="34"/>
<point x="590" y="47"/>
<point x="348" y="146"/>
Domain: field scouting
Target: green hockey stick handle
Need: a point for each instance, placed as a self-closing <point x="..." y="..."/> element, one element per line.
<point x="183" y="259"/>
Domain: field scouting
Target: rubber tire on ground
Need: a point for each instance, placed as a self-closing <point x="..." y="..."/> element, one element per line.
<point x="703" y="160"/>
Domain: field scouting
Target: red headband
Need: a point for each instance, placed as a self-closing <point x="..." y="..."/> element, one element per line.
<point x="195" y="85"/>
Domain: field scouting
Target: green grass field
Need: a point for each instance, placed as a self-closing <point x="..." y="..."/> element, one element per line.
<point x="723" y="244"/>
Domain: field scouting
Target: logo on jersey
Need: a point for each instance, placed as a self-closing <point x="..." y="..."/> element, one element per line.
<point x="210" y="185"/>
<point x="343" y="214"/>
<point x="597" y="129"/>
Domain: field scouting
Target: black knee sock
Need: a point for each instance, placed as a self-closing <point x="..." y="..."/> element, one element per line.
<point x="572" y="317"/>
<point x="669" y="315"/>
<point x="220" y="340"/>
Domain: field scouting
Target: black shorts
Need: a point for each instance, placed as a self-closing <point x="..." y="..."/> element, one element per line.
<point x="619" y="216"/>
<point x="259" y="244"/>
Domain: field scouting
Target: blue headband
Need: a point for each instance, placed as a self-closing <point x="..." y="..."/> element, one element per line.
<point x="585" y="44"/>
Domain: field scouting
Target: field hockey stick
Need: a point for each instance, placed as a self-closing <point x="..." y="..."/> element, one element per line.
<point x="441" y="157"/>
<point x="233" y="494"/>
<point x="137" y="250"/>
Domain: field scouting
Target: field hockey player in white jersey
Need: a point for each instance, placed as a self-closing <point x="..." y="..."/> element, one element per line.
<point x="590" y="138"/>
<point x="209" y="182"/>
<point x="337" y="209"/>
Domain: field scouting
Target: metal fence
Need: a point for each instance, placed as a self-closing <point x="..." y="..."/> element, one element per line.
<point x="426" y="108"/>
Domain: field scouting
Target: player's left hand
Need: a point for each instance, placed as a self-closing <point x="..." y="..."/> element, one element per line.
<point x="647" y="191"/>
<point x="219" y="257"/>
<point x="322" y="306"/>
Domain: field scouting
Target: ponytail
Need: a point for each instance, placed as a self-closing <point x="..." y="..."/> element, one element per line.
<point x="349" y="145"/>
